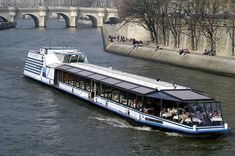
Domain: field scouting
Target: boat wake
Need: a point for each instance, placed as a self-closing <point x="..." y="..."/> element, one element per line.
<point x="124" y="124"/>
<point x="174" y="134"/>
<point x="120" y="123"/>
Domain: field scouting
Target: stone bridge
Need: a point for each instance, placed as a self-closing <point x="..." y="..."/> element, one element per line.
<point x="71" y="15"/>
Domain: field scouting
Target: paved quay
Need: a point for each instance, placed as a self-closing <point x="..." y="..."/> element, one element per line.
<point x="194" y="60"/>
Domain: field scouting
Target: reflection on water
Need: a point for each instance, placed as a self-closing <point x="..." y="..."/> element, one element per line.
<point x="39" y="120"/>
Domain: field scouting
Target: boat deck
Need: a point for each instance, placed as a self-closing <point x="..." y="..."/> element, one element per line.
<point x="140" y="80"/>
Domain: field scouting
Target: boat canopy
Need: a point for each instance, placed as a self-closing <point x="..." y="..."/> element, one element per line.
<point x="163" y="96"/>
<point x="180" y="95"/>
<point x="139" y="89"/>
<point x="172" y="95"/>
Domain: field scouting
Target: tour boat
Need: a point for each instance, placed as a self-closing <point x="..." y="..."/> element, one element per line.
<point x="140" y="100"/>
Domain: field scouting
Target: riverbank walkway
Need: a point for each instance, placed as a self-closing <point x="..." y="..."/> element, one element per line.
<point x="194" y="60"/>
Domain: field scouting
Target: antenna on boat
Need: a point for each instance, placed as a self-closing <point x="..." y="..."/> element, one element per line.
<point x="174" y="85"/>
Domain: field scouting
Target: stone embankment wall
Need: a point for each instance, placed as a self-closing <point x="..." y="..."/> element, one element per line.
<point x="218" y="65"/>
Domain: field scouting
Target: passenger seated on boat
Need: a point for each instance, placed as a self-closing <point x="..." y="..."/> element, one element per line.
<point x="215" y="118"/>
<point x="183" y="117"/>
<point x="115" y="98"/>
<point x="202" y="116"/>
<point x="215" y="114"/>
<point x="167" y="114"/>
<point x="123" y="100"/>
<point x="199" y="115"/>
<point x="205" y="120"/>
<point x="173" y="111"/>
<point x="149" y="110"/>
<point x="139" y="105"/>
<point x="132" y="103"/>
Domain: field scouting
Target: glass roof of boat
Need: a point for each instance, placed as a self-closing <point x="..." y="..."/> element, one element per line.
<point x="111" y="81"/>
<point x="187" y="95"/>
<point x="85" y="73"/>
<point x="161" y="95"/>
<point x="180" y="95"/>
<point x="64" y="67"/>
<point x="74" y="70"/>
<point x="126" y="85"/>
<point x="173" y="95"/>
<point x="97" y="77"/>
<point x="107" y="79"/>
<point x="142" y="90"/>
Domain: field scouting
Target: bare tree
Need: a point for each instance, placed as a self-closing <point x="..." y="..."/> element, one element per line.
<point x="210" y="20"/>
<point x="229" y="17"/>
<point x="174" y="21"/>
<point x="144" y="12"/>
<point x="163" y="20"/>
<point x="191" y="18"/>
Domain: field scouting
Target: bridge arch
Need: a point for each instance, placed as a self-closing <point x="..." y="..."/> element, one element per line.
<point x="35" y="19"/>
<point x="93" y="20"/>
<point x="40" y="15"/>
<point x="3" y="19"/>
<point x="66" y="18"/>
<point x="112" y="20"/>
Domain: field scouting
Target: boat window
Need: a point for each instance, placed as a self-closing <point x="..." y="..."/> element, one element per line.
<point x="77" y="82"/>
<point x="139" y="103"/>
<point x="72" y="80"/>
<point x="115" y="94"/>
<point x="88" y="85"/>
<point x="123" y="97"/>
<point x="215" y="114"/>
<point x="132" y="100"/>
<point x="73" y="58"/>
<point x="98" y="88"/>
<point x="82" y="83"/>
<point x="152" y="106"/>
<point x="170" y="110"/>
<point x="206" y="113"/>
<point x="106" y="91"/>
<point x="66" y="77"/>
<point x="66" y="59"/>
<point x="59" y="76"/>
<point x="85" y="84"/>
<point x="181" y="114"/>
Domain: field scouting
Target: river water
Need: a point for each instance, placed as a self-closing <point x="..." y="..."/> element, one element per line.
<point x="39" y="120"/>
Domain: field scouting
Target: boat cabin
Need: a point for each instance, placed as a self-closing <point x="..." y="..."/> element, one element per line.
<point x="182" y="106"/>
<point x="63" y="55"/>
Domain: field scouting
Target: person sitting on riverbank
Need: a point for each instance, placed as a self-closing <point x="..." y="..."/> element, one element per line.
<point x="135" y="44"/>
<point x="184" y="51"/>
<point x="158" y="48"/>
<point x="123" y="39"/>
<point x="209" y="52"/>
<point x="111" y="38"/>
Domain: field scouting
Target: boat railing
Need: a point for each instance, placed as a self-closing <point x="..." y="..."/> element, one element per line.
<point x="34" y="51"/>
<point x="146" y="116"/>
